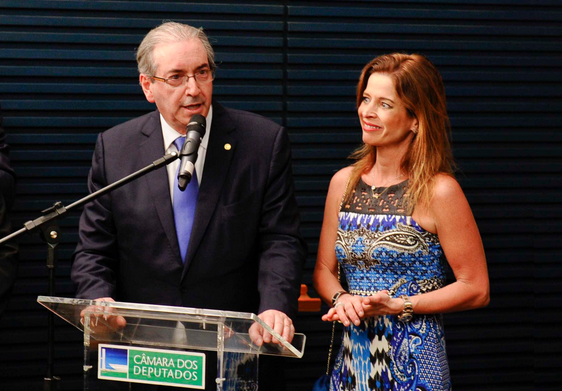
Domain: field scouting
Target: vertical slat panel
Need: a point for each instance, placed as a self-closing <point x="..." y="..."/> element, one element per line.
<point x="67" y="72"/>
<point x="501" y="64"/>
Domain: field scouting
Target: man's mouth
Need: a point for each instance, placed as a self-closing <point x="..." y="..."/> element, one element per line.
<point x="193" y="106"/>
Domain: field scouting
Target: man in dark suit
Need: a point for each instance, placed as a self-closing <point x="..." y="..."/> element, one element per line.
<point x="8" y="251"/>
<point x="245" y="252"/>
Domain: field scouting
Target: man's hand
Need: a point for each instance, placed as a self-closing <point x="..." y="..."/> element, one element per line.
<point x="96" y="312"/>
<point x="278" y="321"/>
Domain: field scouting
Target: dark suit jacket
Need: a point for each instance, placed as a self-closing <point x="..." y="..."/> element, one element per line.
<point x="245" y="252"/>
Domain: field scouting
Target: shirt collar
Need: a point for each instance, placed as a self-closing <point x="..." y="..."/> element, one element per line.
<point x="170" y="134"/>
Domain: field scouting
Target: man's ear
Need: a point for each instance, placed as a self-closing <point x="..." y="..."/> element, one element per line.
<point x="146" y="84"/>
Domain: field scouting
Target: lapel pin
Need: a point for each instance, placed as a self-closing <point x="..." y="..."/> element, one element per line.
<point x="227" y="146"/>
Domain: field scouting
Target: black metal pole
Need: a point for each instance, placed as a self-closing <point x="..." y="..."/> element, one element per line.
<point x="48" y="224"/>
<point x="51" y="235"/>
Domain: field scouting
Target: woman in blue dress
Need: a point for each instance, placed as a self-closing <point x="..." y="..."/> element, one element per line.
<point x="391" y="221"/>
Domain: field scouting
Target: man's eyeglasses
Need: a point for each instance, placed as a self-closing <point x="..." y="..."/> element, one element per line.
<point x="202" y="77"/>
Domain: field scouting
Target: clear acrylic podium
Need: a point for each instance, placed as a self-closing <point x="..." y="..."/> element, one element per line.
<point x="166" y="343"/>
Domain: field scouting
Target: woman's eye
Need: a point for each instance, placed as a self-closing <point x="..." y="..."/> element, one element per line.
<point x="385" y="105"/>
<point x="366" y="100"/>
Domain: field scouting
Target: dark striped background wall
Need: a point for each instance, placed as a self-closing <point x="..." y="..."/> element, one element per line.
<point x="67" y="72"/>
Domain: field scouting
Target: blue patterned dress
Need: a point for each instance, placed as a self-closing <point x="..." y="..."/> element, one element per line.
<point x="379" y="247"/>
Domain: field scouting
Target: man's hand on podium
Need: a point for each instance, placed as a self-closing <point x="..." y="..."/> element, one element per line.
<point x="97" y="312"/>
<point x="278" y="321"/>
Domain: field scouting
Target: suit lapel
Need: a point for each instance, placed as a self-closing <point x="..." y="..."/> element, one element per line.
<point x="220" y="150"/>
<point x="157" y="181"/>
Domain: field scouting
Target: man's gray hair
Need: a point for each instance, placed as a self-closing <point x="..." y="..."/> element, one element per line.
<point x="170" y="32"/>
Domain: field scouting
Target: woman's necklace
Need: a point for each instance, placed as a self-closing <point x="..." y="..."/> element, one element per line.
<point x="374" y="188"/>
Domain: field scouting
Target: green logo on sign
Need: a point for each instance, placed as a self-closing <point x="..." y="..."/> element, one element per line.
<point x="152" y="366"/>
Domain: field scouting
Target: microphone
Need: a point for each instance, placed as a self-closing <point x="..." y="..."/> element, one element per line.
<point x="188" y="155"/>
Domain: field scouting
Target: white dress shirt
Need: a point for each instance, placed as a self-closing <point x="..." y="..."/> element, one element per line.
<point x="170" y="135"/>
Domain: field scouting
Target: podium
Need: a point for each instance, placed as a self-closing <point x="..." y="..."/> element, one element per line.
<point x="169" y="346"/>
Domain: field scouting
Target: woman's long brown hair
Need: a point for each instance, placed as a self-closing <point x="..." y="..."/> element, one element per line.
<point x="419" y="85"/>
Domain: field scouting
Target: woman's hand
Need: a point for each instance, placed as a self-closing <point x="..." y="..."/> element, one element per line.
<point x="348" y="308"/>
<point x="351" y="308"/>
<point x="382" y="304"/>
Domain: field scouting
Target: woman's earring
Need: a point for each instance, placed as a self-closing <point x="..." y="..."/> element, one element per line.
<point x="415" y="130"/>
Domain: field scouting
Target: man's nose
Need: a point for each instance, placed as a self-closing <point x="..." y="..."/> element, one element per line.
<point x="191" y="87"/>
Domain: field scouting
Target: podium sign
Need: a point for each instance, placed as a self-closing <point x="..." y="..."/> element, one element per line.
<point x="151" y="366"/>
<point x="171" y="339"/>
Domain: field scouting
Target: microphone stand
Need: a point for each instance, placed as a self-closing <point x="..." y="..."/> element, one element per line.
<point x="48" y="224"/>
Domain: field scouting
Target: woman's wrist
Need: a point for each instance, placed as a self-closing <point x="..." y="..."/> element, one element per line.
<point x="407" y="312"/>
<point x="336" y="296"/>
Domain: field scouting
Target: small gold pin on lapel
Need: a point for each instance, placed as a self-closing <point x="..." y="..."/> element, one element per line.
<point x="227" y="146"/>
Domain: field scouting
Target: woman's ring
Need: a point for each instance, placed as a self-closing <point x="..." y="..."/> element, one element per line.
<point x="338" y="304"/>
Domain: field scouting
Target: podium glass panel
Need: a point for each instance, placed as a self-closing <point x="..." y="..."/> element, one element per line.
<point x="156" y="327"/>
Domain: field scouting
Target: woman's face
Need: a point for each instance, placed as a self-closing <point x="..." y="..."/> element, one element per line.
<point x="384" y="119"/>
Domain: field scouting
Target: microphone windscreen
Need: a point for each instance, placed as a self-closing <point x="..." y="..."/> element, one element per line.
<point x="197" y="123"/>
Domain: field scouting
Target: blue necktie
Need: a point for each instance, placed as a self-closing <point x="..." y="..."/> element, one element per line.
<point x="184" y="206"/>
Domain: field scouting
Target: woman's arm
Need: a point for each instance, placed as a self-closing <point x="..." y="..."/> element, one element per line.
<point x="325" y="276"/>
<point x="450" y="216"/>
<point x="460" y="239"/>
